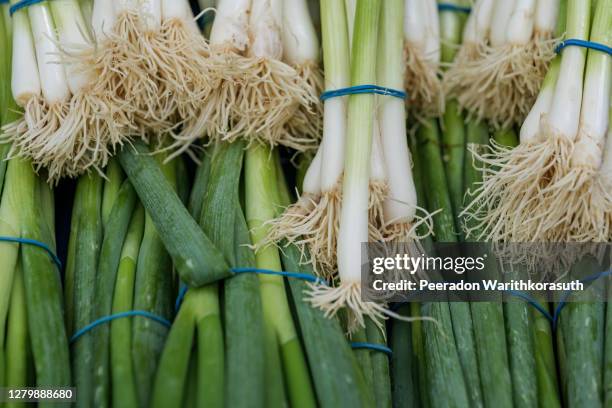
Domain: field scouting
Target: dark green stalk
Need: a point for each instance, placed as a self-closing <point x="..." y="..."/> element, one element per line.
<point x="453" y="145"/>
<point x="541" y="332"/>
<point x="112" y="185"/>
<point x="122" y="371"/>
<point x="115" y="231"/>
<point x="380" y="365"/>
<point x="363" y="358"/>
<point x="405" y="388"/>
<point x="89" y="199"/>
<point x="197" y="260"/>
<point x="584" y="347"/>
<point x="17" y="339"/>
<point x="459" y="319"/>
<point x="43" y="290"/>
<point x="488" y="317"/>
<point x="170" y="382"/>
<point x="153" y="293"/>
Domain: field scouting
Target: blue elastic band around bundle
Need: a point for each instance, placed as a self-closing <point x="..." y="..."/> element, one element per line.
<point x="372" y="346"/>
<point x="33" y="242"/>
<point x="454" y="7"/>
<point x="554" y="318"/>
<point x="23" y="4"/>
<point x="107" y="319"/>
<point x="295" y="275"/>
<point x="361" y="90"/>
<point x="583" y="43"/>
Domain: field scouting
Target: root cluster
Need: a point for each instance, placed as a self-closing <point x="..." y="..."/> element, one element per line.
<point x="499" y="84"/>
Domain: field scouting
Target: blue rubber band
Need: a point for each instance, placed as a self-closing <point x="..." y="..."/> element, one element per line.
<point x="583" y="43"/>
<point x="32" y="242"/>
<point x="295" y="275"/>
<point x="371" y="346"/>
<point x="563" y="302"/>
<point x="181" y="295"/>
<point x="533" y="302"/>
<point x="107" y="319"/>
<point x="23" y="4"/>
<point x="454" y="7"/>
<point x="363" y="89"/>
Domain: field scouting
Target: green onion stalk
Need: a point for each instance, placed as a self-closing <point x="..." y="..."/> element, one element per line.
<point x="422" y="53"/>
<point x="458" y="349"/>
<point x="504" y="348"/>
<point x="504" y="58"/>
<point x="283" y="348"/>
<point x="68" y="125"/>
<point x="583" y="335"/>
<point x="453" y="120"/>
<point x="33" y="345"/>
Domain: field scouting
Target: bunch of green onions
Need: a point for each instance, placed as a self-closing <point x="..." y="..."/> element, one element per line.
<point x="552" y="186"/>
<point x="33" y="343"/>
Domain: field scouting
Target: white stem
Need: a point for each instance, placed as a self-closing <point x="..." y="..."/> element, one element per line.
<point x="52" y="75"/>
<point x="300" y="42"/>
<point x="432" y="33"/>
<point x="73" y="33"/>
<point x="402" y="202"/>
<point x="278" y="10"/>
<point x="102" y="19"/>
<point x="520" y="27"/>
<point x="334" y="139"/>
<point x="151" y="13"/>
<point x="312" y="178"/>
<point x="264" y="32"/>
<point x="478" y="26"/>
<point x="565" y="110"/>
<point x="176" y="9"/>
<point x="547" y="12"/>
<point x="606" y="167"/>
<point x="499" y="24"/>
<point x="531" y="126"/>
<point x="337" y="75"/>
<point x="415" y="16"/>
<point x="180" y="11"/>
<point x="230" y="28"/>
<point x="594" y="118"/>
<point x="378" y="169"/>
<point x="25" y="82"/>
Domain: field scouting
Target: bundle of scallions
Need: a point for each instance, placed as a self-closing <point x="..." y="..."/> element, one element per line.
<point x="33" y="342"/>
<point x="553" y="186"/>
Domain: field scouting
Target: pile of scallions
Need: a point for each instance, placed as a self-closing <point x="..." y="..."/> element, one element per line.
<point x="186" y="190"/>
